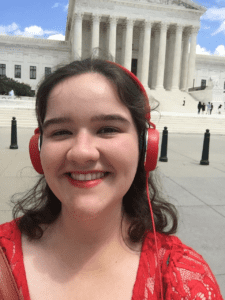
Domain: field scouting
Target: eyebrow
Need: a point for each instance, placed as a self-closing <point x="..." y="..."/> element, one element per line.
<point x="102" y="117"/>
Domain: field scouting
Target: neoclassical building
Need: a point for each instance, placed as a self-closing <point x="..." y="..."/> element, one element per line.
<point x="155" y="39"/>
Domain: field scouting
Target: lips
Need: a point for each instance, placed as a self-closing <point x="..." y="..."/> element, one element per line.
<point x="86" y="183"/>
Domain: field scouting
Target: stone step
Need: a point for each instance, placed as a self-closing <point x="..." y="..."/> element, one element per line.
<point x="175" y="123"/>
<point x="190" y="124"/>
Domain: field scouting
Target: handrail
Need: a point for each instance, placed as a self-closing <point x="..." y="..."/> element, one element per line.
<point x="199" y="88"/>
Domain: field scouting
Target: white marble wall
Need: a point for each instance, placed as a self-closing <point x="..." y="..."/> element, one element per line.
<point x="211" y="67"/>
<point x="31" y="52"/>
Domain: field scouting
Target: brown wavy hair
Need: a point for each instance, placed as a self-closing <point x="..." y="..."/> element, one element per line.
<point x="41" y="206"/>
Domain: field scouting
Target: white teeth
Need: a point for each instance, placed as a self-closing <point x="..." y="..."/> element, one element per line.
<point x="89" y="176"/>
<point x="94" y="176"/>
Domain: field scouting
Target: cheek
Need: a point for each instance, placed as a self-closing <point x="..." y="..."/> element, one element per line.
<point x="50" y="157"/>
<point x="125" y="155"/>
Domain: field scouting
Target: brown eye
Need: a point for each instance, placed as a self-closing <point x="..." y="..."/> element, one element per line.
<point x="62" y="132"/>
<point x="108" y="130"/>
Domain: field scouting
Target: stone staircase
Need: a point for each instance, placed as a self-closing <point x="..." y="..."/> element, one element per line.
<point x="24" y="117"/>
<point x="179" y="122"/>
<point x="172" y="101"/>
<point x="189" y="123"/>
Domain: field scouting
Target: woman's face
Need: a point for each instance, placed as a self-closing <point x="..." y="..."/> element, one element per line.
<point x="96" y="134"/>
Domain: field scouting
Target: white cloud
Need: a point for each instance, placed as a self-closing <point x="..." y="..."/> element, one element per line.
<point x="66" y="7"/>
<point x="214" y="14"/>
<point x="55" y="5"/>
<point x="220" y="1"/>
<point x="220" y="29"/>
<point x="201" y="50"/>
<point x="205" y="27"/>
<point x="33" y="31"/>
<point x="58" y="37"/>
<point x="220" y="50"/>
<point x="8" y="29"/>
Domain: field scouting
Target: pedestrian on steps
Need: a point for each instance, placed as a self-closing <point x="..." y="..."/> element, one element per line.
<point x="211" y="109"/>
<point x="199" y="107"/>
<point x="219" y="109"/>
<point x="208" y="108"/>
<point x="203" y="108"/>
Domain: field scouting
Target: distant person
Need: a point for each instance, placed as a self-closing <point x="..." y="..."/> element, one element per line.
<point x="219" y="109"/>
<point x="184" y="102"/>
<point x="199" y="107"/>
<point x="11" y="93"/>
<point x="211" y="109"/>
<point x="203" y="108"/>
<point x="208" y="108"/>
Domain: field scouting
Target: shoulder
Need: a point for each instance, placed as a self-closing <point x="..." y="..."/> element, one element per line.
<point x="8" y="231"/>
<point x="186" y="275"/>
<point x="10" y="240"/>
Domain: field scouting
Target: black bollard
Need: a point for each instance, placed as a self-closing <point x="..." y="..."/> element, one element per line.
<point x="163" y="156"/>
<point x="13" y="135"/>
<point x="205" y="151"/>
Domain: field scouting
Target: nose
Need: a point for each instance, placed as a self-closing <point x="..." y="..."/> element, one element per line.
<point x="83" y="149"/>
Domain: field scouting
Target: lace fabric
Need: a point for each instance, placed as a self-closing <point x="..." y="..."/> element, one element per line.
<point x="186" y="275"/>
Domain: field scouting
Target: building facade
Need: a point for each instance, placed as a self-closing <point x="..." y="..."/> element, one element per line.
<point x="155" y="39"/>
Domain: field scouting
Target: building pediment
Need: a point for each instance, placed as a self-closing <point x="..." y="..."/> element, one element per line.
<point x="169" y="7"/>
<point x="188" y="4"/>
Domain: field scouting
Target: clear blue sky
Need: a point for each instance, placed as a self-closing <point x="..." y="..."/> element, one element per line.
<point x="47" y="19"/>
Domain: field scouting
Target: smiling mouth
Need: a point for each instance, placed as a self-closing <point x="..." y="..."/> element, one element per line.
<point x="86" y="184"/>
<point x="88" y="177"/>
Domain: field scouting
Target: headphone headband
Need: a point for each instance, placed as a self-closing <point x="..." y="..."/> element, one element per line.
<point x="140" y="85"/>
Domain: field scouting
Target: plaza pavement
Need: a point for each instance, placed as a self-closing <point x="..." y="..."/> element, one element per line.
<point x="198" y="191"/>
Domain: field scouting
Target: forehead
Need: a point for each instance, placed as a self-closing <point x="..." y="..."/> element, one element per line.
<point x="89" y="91"/>
<point x="93" y="83"/>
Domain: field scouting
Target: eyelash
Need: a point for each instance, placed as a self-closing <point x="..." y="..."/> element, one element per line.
<point x="58" y="133"/>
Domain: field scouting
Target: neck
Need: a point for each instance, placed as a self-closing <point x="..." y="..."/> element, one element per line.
<point x="96" y="244"/>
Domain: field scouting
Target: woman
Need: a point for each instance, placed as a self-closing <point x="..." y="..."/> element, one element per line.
<point x="88" y="231"/>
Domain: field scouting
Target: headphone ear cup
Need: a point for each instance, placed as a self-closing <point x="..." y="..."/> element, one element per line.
<point x="35" y="153"/>
<point x="152" y="149"/>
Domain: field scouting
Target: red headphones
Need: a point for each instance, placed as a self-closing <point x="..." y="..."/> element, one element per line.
<point x="151" y="138"/>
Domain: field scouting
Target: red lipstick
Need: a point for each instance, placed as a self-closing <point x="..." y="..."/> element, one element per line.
<point x="86" y="184"/>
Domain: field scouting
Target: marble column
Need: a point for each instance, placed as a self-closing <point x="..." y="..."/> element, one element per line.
<point x="184" y="66"/>
<point x="112" y="37"/>
<point x="77" y="45"/>
<point x="169" y="58"/>
<point x="161" y="58"/>
<point x="177" y="58"/>
<point x="140" y="51"/>
<point x="146" y="54"/>
<point x="128" y="44"/>
<point x="156" y="36"/>
<point x="123" y="25"/>
<point x="95" y="34"/>
<point x="192" y="56"/>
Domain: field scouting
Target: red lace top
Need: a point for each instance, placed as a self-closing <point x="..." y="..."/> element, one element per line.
<point x="185" y="274"/>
